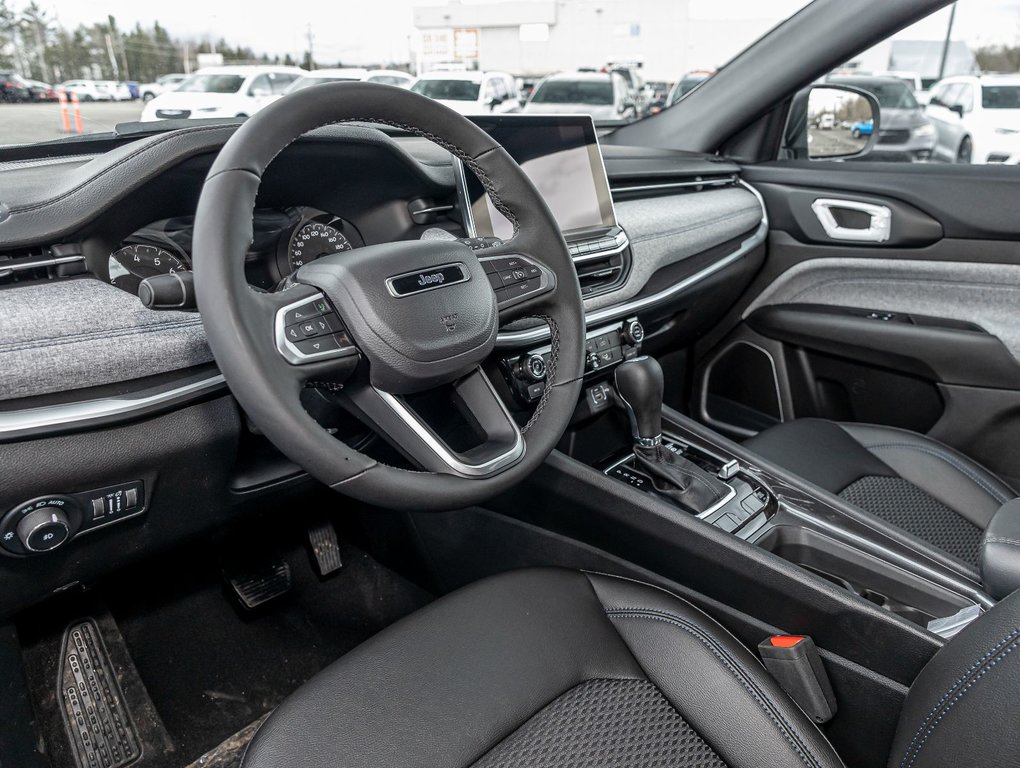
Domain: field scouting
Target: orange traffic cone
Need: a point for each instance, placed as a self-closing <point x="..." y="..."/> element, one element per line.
<point x="65" y="118"/>
<point x="78" y="127"/>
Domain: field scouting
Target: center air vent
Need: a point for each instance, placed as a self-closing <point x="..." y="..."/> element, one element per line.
<point x="601" y="263"/>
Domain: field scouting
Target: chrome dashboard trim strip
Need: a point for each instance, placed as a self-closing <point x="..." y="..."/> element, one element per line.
<point x="512" y="339"/>
<point x="85" y="411"/>
<point x="53" y="261"/>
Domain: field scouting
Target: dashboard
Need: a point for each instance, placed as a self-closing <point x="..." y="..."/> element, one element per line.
<point x="102" y="396"/>
<point x="284" y="241"/>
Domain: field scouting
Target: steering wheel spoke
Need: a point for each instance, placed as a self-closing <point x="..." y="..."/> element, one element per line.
<point x="462" y="428"/>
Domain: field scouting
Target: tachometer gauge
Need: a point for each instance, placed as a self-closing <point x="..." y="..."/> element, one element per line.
<point x="314" y="240"/>
<point x="133" y="263"/>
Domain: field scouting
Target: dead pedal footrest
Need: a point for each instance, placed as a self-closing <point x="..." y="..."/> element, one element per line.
<point x="98" y="723"/>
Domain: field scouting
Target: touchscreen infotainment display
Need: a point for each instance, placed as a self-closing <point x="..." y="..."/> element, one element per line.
<point x="560" y="154"/>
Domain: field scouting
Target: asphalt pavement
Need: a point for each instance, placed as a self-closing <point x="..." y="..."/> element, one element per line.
<point x="30" y="123"/>
<point x="834" y="142"/>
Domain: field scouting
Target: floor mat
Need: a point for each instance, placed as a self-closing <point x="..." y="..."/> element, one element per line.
<point x="212" y="669"/>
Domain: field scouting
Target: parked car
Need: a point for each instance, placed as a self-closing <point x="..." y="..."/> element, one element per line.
<point x="13" y="88"/>
<point x="826" y="121"/>
<point x="688" y="83"/>
<point x="630" y="71"/>
<point x="346" y="74"/>
<point x="389" y="77"/>
<point x="149" y="91"/>
<point x="605" y="96"/>
<point x="119" y="90"/>
<point x="222" y="92"/>
<point x="904" y="133"/>
<point x="977" y="119"/>
<point x="471" y="93"/>
<point x="87" y="90"/>
<point x="40" y="91"/>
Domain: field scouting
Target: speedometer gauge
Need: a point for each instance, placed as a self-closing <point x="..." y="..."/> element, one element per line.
<point x="133" y="263"/>
<point x="315" y="240"/>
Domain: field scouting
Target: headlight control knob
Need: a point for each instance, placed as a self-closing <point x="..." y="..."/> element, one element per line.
<point x="44" y="529"/>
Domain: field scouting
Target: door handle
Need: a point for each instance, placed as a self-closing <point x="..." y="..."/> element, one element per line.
<point x="879" y="224"/>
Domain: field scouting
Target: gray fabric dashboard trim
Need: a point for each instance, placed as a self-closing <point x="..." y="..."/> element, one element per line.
<point x="73" y="334"/>
<point x="668" y="229"/>
<point x="986" y="294"/>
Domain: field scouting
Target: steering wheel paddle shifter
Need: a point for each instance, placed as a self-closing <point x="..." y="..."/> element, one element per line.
<point x="639" y="386"/>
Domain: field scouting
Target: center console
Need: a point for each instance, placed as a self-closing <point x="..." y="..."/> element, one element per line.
<point x="686" y="465"/>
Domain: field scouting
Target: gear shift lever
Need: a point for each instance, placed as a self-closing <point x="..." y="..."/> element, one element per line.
<point x="639" y="385"/>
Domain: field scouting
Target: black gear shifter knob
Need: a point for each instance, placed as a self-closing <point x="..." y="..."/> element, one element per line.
<point x="639" y="385"/>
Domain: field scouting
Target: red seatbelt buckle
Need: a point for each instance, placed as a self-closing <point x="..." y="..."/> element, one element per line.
<point x="794" y="662"/>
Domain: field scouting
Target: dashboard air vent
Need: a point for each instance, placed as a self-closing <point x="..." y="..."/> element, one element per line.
<point x="33" y="264"/>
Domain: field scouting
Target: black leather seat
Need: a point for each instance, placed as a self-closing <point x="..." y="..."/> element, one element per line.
<point x="546" y="668"/>
<point x="909" y="480"/>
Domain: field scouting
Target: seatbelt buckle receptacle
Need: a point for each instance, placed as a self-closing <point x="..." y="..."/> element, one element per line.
<point x="794" y="662"/>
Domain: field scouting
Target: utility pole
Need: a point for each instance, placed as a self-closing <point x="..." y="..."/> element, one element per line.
<point x="113" y="58"/>
<point x="945" y="43"/>
<point x="311" y="50"/>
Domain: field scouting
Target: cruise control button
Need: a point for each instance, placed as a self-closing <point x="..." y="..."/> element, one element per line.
<point x="522" y="288"/>
<point x="512" y="276"/>
<point x="306" y="311"/>
<point x="531" y="270"/>
<point x="317" y="346"/>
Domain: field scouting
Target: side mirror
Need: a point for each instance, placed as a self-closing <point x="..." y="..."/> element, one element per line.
<point x="495" y="101"/>
<point x="260" y="92"/>
<point x="957" y="108"/>
<point x="831" y="122"/>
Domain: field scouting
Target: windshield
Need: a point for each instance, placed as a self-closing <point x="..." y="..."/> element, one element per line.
<point x="574" y="92"/>
<point x="1000" y="96"/>
<point x="447" y="90"/>
<point x="476" y="55"/>
<point x="212" y="84"/>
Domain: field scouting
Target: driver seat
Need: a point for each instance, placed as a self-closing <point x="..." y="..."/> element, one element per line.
<point x="545" y="668"/>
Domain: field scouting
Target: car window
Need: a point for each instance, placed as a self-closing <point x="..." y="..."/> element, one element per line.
<point x="1000" y="96"/>
<point x="214" y="83"/>
<point x="966" y="58"/>
<point x="279" y="81"/>
<point x="591" y="92"/>
<point x="260" y="85"/>
<point x="448" y="90"/>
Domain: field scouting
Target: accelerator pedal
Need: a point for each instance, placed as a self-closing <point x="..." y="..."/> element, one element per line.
<point x="95" y="712"/>
<point x="325" y="548"/>
<point x="259" y="583"/>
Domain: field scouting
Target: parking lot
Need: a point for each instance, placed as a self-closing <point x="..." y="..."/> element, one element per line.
<point x="28" y="123"/>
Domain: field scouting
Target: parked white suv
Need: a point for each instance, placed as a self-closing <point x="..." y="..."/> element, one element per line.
<point x="222" y="92"/>
<point x="471" y="93"/>
<point x="976" y="119"/>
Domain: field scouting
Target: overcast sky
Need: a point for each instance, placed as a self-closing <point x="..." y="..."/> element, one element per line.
<point x="358" y="31"/>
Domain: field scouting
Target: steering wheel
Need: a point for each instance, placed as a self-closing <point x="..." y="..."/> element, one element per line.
<point x="393" y="325"/>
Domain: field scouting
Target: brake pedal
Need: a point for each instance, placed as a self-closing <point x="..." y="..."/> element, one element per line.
<point x="256" y="585"/>
<point x="325" y="548"/>
<point x="96" y="715"/>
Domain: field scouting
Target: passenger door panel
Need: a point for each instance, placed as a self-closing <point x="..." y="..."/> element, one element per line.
<point x="919" y="331"/>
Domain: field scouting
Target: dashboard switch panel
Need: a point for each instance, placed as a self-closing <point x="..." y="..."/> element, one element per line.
<point x="46" y="523"/>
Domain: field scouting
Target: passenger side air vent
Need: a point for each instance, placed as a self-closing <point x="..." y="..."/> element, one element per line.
<point x="624" y="189"/>
<point x="601" y="262"/>
<point x="33" y="264"/>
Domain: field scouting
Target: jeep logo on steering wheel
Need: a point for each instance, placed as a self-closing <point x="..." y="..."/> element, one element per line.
<point x="427" y="280"/>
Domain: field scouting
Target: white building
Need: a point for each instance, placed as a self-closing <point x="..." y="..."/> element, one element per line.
<point x="669" y="37"/>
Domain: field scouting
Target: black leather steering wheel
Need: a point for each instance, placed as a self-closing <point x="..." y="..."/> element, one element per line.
<point x="404" y="317"/>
